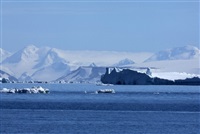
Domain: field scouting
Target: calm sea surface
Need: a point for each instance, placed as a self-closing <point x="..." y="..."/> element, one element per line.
<point x="131" y="110"/>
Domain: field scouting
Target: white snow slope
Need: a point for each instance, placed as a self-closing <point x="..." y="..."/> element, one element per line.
<point x="4" y="54"/>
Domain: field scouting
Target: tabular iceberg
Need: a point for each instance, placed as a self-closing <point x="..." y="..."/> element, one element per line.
<point x="131" y="77"/>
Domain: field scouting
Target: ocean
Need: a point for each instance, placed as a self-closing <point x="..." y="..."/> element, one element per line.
<point x="76" y="109"/>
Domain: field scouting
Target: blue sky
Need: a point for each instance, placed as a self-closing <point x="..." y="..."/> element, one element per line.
<point x="109" y="25"/>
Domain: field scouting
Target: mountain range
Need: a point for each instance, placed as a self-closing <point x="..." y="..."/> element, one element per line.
<point x="49" y="64"/>
<point x="178" y="53"/>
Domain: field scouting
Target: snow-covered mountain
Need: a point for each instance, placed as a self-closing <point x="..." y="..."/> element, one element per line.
<point x="124" y="62"/>
<point x="4" y="54"/>
<point x="27" y="54"/>
<point x="178" y="53"/>
<point x="48" y="64"/>
<point x="8" y="77"/>
<point x="24" y="60"/>
<point x="52" y="56"/>
<point x="39" y="63"/>
<point x="84" y="74"/>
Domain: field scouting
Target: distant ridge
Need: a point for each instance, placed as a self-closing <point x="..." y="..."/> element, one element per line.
<point x="178" y="53"/>
<point x="124" y="62"/>
<point x="84" y="74"/>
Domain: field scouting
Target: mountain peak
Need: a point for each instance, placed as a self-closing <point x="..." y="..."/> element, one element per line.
<point x="124" y="62"/>
<point x="25" y="77"/>
<point x="92" y="65"/>
<point x="52" y="56"/>
<point x="26" y="54"/>
<point x="30" y="49"/>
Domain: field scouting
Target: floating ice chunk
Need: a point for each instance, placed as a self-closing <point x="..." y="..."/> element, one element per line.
<point x="105" y="91"/>
<point x="11" y="91"/>
<point x="4" y="90"/>
<point x="33" y="90"/>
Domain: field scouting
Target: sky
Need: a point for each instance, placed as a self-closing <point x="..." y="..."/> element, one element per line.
<point x="132" y="26"/>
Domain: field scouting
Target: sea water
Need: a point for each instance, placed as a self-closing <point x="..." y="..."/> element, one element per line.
<point x="76" y="109"/>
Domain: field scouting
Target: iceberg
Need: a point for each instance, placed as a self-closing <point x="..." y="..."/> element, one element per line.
<point x="131" y="77"/>
<point x="105" y="91"/>
<point x="33" y="90"/>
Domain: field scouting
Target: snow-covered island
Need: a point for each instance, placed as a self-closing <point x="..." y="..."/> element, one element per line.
<point x="33" y="90"/>
<point x="130" y="77"/>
